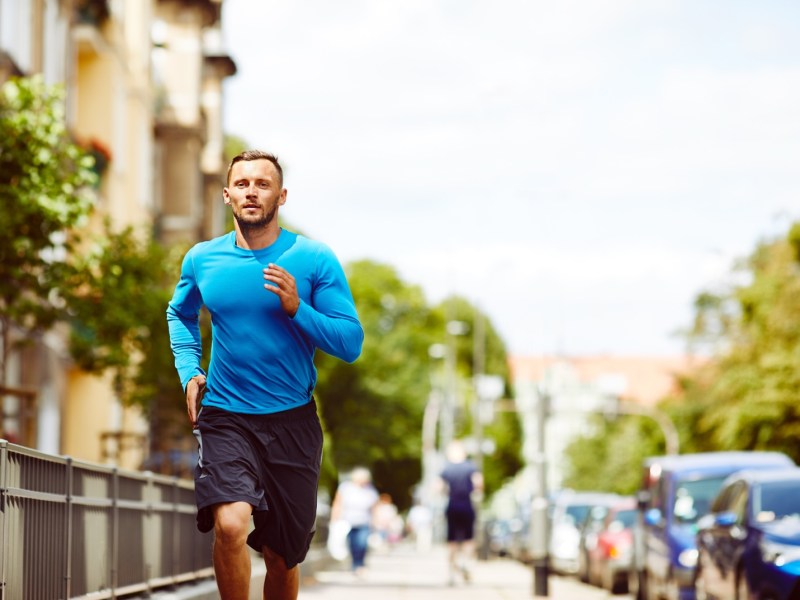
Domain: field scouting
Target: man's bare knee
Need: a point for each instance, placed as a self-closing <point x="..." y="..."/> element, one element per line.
<point x="232" y="522"/>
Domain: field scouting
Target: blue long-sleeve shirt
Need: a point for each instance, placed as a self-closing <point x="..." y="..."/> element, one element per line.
<point x="262" y="360"/>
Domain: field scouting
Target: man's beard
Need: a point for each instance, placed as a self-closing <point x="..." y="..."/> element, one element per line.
<point x="259" y="222"/>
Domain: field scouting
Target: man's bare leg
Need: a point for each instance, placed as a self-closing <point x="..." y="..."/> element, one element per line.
<point x="231" y="558"/>
<point x="280" y="583"/>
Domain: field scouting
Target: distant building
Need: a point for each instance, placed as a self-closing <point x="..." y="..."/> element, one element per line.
<point x="144" y="93"/>
<point x="578" y="387"/>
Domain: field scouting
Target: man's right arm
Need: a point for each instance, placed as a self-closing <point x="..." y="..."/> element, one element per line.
<point x="184" y="325"/>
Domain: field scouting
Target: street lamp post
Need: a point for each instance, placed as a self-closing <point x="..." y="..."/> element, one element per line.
<point x="447" y="421"/>
<point x="431" y="421"/>
<point x="539" y="550"/>
<point x="478" y="366"/>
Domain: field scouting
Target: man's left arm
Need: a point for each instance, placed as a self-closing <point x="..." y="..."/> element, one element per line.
<point x="330" y="320"/>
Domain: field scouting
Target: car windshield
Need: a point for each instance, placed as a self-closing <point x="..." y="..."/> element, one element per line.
<point x="576" y="513"/>
<point x="777" y="500"/>
<point x="693" y="498"/>
<point x="626" y="517"/>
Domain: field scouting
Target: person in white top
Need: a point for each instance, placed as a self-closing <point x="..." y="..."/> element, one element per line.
<point x="354" y="503"/>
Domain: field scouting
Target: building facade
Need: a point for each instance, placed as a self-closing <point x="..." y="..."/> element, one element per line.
<point x="574" y="389"/>
<point x="144" y="93"/>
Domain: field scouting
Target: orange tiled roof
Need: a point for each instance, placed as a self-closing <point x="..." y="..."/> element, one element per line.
<point x="648" y="378"/>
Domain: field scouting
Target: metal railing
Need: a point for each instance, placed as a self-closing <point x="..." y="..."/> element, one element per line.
<point x="72" y="529"/>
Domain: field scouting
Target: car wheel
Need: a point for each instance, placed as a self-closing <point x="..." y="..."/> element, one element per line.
<point x="619" y="585"/>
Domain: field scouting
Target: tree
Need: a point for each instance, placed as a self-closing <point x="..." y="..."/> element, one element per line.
<point x="45" y="181"/>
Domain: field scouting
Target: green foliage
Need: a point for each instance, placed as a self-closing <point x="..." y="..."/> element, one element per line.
<point x="749" y="392"/>
<point x="610" y="459"/>
<point x="506" y="461"/>
<point x="44" y="193"/>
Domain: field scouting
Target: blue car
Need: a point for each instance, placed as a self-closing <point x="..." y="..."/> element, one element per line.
<point x="749" y="546"/>
<point x="676" y="493"/>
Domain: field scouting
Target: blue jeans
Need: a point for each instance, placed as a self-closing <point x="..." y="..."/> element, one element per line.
<point x="357" y="540"/>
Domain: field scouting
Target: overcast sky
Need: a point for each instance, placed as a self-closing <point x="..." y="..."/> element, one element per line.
<point x="578" y="169"/>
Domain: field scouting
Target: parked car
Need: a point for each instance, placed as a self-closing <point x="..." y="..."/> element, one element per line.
<point x="609" y="557"/>
<point x="749" y="546"/>
<point x="589" y="529"/>
<point x="676" y="492"/>
<point x="569" y="511"/>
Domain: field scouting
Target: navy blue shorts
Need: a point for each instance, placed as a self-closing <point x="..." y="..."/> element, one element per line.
<point x="460" y="522"/>
<point x="271" y="462"/>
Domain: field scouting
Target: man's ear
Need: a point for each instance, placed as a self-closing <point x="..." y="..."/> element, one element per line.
<point x="225" y="196"/>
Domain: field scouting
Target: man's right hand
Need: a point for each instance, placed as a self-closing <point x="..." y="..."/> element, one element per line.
<point x="194" y="394"/>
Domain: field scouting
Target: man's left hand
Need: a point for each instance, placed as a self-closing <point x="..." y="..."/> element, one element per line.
<point x="284" y="287"/>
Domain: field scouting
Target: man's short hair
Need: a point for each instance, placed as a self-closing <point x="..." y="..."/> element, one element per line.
<point x="256" y="155"/>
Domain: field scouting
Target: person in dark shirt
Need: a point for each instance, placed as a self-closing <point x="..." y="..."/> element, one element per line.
<point x="461" y="478"/>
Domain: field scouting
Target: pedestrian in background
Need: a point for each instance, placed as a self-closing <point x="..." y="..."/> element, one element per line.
<point x="274" y="298"/>
<point x="419" y="523"/>
<point x="461" y="478"/>
<point x="354" y="503"/>
<point x="387" y="522"/>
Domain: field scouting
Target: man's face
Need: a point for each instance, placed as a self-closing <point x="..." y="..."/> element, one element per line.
<point x="254" y="193"/>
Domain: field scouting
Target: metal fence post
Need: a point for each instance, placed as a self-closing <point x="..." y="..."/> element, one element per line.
<point x="114" y="532"/>
<point x="69" y="526"/>
<point x="3" y="524"/>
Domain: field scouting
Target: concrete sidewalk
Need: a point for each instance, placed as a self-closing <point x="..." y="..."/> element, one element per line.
<point x="403" y="573"/>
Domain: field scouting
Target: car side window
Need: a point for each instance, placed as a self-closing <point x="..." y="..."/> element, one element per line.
<point x="722" y="501"/>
